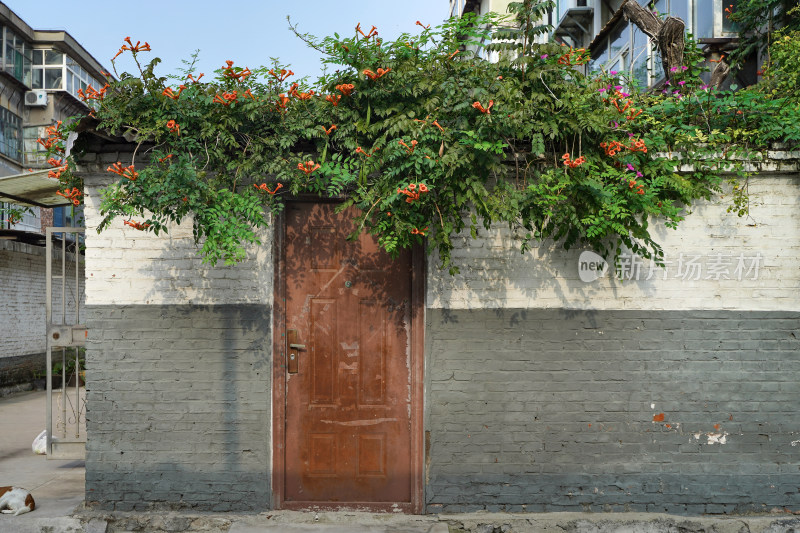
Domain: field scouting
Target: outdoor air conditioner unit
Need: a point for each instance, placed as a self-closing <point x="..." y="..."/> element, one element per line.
<point x="36" y="98"/>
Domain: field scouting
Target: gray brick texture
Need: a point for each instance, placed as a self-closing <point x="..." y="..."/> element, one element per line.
<point x="178" y="407"/>
<point x="559" y="410"/>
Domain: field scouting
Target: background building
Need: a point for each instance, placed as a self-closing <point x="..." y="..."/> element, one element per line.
<point x="41" y="72"/>
<point x="617" y="44"/>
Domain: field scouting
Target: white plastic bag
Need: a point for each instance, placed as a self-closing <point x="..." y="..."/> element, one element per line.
<point x="39" y="445"/>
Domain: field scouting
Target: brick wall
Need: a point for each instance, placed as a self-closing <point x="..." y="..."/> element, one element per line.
<point x="178" y="371"/>
<point x="546" y="393"/>
<point x="708" y="245"/>
<point x="178" y="407"/>
<point x="23" y="279"/>
<point x="563" y="410"/>
<point x="543" y="392"/>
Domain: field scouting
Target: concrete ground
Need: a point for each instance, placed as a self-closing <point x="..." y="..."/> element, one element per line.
<point x="58" y="488"/>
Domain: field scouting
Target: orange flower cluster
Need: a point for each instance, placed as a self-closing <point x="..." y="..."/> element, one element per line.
<point x="169" y="92"/>
<point x="136" y="225"/>
<point x="173" y="127"/>
<point x="412" y="191"/>
<point x="92" y="94"/>
<point x="345" y="88"/>
<point x="615" y="147"/>
<point x="300" y="95"/>
<point x="132" y="47"/>
<point x="169" y="156"/>
<point x="238" y="76"/>
<point x="372" y="33"/>
<point x="612" y="148"/>
<point x="639" y="187"/>
<point x="329" y="130"/>
<point x="729" y="11"/>
<point x="71" y="195"/>
<point x="226" y="98"/>
<point x="374" y="76"/>
<point x="125" y="172"/>
<point x="484" y="110"/>
<point x="59" y="169"/>
<point x="632" y="114"/>
<point x="409" y="149"/>
<point x="360" y="150"/>
<point x="422" y="231"/>
<point x="334" y="99"/>
<point x="308" y="167"/>
<point x="638" y="146"/>
<point x="573" y="163"/>
<point x="193" y="79"/>
<point x="247" y="93"/>
<point x="54" y="137"/>
<point x="282" y="101"/>
<point x="283" y="74"/>
<point x="575" y="56"/>
<point x="263" y="187"/>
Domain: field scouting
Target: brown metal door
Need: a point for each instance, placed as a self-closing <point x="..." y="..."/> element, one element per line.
<point x="348" y="354"/>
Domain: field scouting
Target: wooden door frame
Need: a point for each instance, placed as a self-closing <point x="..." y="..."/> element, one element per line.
<point x="418" y="278"/>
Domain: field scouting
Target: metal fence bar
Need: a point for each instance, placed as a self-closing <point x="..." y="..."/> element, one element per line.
<point x="68" y="444"/>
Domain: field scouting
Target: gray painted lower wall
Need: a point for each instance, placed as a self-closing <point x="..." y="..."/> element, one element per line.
<point x="556" y="410"/>
<point x="178" y="407"/>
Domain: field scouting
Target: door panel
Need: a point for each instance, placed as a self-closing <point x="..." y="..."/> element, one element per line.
<point x="348" y="408"/>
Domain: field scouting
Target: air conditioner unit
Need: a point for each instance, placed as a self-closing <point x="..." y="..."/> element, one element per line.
<point x="36" y="98"/>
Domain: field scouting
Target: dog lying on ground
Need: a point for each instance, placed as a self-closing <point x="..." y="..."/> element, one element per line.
<point x="16" y="501"/>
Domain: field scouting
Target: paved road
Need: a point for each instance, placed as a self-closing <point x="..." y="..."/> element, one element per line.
<point x="57" y="486"/>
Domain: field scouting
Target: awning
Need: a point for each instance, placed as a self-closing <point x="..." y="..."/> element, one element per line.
<point x="32" y="189"/>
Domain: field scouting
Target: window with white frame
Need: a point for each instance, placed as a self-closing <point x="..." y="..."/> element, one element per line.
<point x="55" y="70"/>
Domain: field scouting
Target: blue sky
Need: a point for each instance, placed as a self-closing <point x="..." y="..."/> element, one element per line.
<point x="247" y="32"/>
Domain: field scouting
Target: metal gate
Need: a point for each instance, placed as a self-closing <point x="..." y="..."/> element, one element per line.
<point x="66" y="337"/>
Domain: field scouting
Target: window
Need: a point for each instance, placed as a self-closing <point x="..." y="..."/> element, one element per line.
<point x="16" y="55"/>
<point x="10" y="134"/>
<point x="48" y="68"/>
<point x="55" y="70"/>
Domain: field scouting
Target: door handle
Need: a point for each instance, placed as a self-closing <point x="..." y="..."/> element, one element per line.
<point x="292" y="354"/>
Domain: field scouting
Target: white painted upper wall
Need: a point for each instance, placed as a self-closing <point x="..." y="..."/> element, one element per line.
<point x="127" y="266"/>
<point x="714" y="260"/>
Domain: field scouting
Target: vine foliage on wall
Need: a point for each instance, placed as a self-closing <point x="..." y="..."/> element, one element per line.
<point x="428" y="140"/>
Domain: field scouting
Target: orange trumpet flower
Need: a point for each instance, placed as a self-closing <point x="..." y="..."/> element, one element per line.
<point x="136" y="225"/>
<point x="329" y="130"/>
<point x="486" y="110"/>
<point x="263" y="187"/>
<point x="334" y="99"/>
<point x="409" y="150"/>
<point x="308" y="167"/>
<point x="374" y="76"/>
<point x="125" y="172"/>
<point x="345" y="88"/>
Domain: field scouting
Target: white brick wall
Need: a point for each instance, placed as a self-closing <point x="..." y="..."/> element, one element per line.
<point x="494" y="274"/>
<point x="128" y="266"/>
<point x="22" y="281"/>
